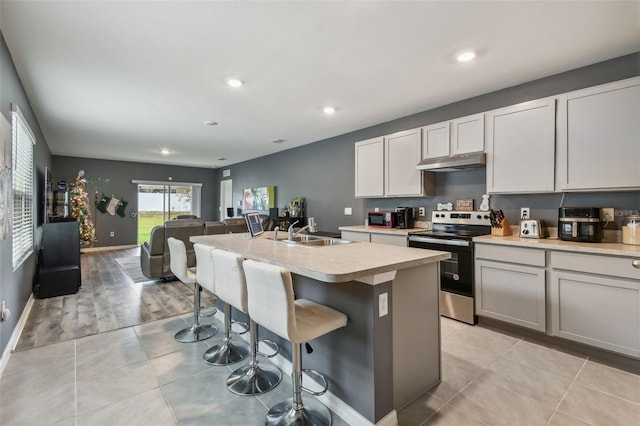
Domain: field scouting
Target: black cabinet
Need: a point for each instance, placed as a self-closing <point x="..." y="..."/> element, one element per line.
<point x="59" y="260"/>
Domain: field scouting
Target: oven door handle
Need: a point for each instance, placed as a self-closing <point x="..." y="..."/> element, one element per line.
<point x="417" y="239"/>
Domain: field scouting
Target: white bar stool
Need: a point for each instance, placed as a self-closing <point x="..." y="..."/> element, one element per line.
<point x="204" y="274"/>
<point x="272" y="304"/>
<point x="253" y="378"/>
<point x="230" y="351"/>
<point x="178" y="263"/>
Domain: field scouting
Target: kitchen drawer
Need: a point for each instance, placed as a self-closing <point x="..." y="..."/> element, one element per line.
<point x="500" y="253"/>
<point x="621" y="267"/>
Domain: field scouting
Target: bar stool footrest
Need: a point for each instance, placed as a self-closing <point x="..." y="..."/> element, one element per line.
<point x="271" y="345"/>
<point x="243" y="325"/>
<point x="318" y="378"/>
<point x="213" y="310"/>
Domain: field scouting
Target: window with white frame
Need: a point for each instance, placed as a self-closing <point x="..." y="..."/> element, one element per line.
<point x="22" y="187"/>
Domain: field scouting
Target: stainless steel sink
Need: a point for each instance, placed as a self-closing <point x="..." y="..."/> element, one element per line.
<point x="314" y="241"/>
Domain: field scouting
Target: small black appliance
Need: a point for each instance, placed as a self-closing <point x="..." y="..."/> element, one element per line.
<point x="580" y="224"/>
<point x="404" y="217"/>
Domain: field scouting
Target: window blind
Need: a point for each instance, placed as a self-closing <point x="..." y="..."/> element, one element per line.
<point x="22" y="187"/>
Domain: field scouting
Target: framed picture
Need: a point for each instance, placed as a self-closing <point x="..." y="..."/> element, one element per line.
<point x="259" y="199"/>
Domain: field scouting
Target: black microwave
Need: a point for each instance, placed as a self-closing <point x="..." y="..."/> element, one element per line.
<point x="381" y="219"/>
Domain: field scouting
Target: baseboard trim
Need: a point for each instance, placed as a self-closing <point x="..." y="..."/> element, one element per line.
<point x="17" y="332"/>
<point x="335" y="404"/>
<point x="105" y="248"/>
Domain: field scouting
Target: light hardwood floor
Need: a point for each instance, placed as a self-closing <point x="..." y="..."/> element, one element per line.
<point x="108" y="300"/>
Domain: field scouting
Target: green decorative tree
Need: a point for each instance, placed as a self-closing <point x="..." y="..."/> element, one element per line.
<point x="81" y="211"/>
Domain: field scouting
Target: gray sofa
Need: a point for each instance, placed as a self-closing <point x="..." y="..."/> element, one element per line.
<point x="154" y="254"/>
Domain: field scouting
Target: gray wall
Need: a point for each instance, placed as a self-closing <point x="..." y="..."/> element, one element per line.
<point x="16" y="286"/>
<point x="323" y="172"/>
<point x="119" y="175"/>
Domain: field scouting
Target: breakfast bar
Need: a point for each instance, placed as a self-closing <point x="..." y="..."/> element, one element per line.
<point x="389" y="352"/>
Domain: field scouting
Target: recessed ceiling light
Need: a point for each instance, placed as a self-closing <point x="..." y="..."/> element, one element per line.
<point x="164" y="151"/>
<point x="211" y="123"/>
<point x="234" y="82"/>
<point x="466" y="56"/>
<point x="328" y="110"/>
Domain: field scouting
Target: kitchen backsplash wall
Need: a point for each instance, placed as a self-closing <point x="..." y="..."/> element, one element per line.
<point x="323" y="171"/>
<point x="467" y="184"/>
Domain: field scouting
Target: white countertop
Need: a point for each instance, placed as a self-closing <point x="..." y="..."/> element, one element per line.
<point x="337" y="263"/>
<point x="612" y="249"/>
<point x="376" y="230"/>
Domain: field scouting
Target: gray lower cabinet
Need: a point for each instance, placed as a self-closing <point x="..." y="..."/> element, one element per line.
<point x="510" y="285"/>
<point x="596" y="300"/>
<point x="356" y="236"/>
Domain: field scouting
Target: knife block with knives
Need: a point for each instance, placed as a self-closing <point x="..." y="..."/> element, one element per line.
<point x="499" y="224"/>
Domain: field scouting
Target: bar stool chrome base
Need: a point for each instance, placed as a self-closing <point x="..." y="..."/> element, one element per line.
<point x="196" y="333"/>
<point x="313" y="413"/>
<point x="227" y="353"/>
<point x="254" y="379"/>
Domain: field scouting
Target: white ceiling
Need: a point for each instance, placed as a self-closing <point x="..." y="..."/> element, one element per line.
<point x="123" y="79"/>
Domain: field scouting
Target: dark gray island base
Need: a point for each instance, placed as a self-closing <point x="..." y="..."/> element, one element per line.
<point x="376" y="364"/>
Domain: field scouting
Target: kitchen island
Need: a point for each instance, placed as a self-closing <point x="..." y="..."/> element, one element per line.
<point x="389" y="352"/>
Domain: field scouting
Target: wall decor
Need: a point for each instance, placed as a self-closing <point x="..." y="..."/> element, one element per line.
<point x="259" y="199"/>
<point x="464" y="205"/>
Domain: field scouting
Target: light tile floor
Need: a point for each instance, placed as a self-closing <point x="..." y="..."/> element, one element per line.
<point x="494" y="378"/>
<point x="141" y="376"/>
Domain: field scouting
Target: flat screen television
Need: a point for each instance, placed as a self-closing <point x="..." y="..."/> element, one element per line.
<point x="254" y="223"/>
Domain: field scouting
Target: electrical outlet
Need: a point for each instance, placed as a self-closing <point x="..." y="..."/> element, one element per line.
<point x="376" y="209"/>
<point x="112" y="234"/>
<point x="422" y="211"/>
<point x="608" y="214"/>
<point x="348" y="211"/>
<point x="525" y="213"/>
<point x="383" y="304"/>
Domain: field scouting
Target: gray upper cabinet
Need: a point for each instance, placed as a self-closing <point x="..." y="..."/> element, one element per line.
<point x="521" y="148"/>
<point x="403" y="151"/>
<point x="467" y="134"/>
<point x="386" y="167"/>
<point x="463" y="135"/>
<point x="435" y="140"/>
<point x="599" y="137"/>
<point x="370" y="168"/>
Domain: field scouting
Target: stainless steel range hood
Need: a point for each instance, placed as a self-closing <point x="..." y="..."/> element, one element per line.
<point x="456" y="162"/>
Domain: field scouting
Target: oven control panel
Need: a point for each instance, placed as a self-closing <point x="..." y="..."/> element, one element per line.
<point x="461" y="217"/>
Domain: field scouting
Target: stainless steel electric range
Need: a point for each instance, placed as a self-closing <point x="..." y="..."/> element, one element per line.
<point x="453" y="231"/>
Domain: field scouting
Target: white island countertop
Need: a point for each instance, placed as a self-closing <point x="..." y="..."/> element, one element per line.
<point x="334" y="263"/>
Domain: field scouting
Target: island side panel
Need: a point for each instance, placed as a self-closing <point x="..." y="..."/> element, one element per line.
<point x="416" y="332"/>
<point x="356" y="359"/>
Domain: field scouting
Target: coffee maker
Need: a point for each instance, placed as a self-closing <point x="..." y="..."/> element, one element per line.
<point x="404" y="217"/>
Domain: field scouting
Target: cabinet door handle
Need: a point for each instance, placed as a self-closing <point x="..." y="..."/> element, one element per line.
<point x="636" y="264"/>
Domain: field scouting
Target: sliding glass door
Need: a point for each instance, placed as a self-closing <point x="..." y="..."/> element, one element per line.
<point x="158" y="203"/>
